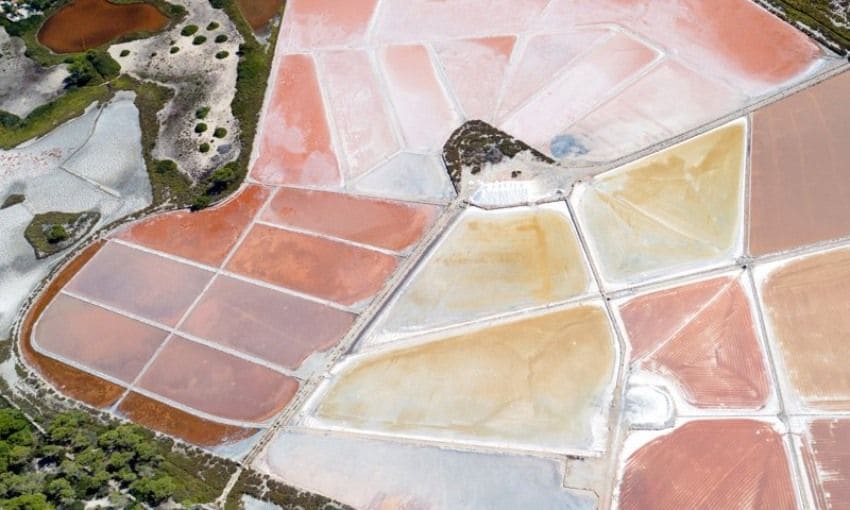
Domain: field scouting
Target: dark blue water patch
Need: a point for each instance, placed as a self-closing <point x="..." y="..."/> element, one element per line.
<point x="563" y="146"/>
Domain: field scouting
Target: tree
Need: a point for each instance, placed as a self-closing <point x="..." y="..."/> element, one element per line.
<point x="61" y="491"/>
<point x="153" y="490"/>
<point x="12" y="421"/>
<point x="26" y="502"/>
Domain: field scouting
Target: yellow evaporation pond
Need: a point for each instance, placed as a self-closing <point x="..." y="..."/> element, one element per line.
<point x="678" y="209"/>
<point x="540" y="382"/>
<point x="490" y="263"/>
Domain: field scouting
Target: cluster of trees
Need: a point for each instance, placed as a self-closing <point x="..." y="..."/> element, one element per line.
<point x="91" y="68"/>
<point x="78" y="460"/>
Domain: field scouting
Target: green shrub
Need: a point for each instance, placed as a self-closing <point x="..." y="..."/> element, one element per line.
<point x="213" y="25"/>
<point x="105" y="65"/>
<point x="124" y="53"/>
<point x="204" y="148"/>
<point x="220" y="132"/>
<point x="174" y="49"/>
<point x="222" y="178"/>
<point x="57" y="234"/>
<point x="9" y="120"/>
<point x="199" y="40"/>
<point x="200" y="127"/>
<point x="220" y="38"/>
<point x="222" y="55"/>
<point x="189" y="30"/>
<point x="201" y="113"/>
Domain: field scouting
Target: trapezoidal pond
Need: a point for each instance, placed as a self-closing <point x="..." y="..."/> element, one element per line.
<point x="537" y="382"/>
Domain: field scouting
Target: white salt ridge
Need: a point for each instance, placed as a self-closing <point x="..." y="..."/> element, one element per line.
<point x="649" y="407"/>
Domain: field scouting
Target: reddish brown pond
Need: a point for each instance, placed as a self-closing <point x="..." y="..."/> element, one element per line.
<point x="259" y="12"/>
<point x="86" y="24"/>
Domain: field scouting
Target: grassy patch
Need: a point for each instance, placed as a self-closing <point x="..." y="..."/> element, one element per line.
<point x="819" y="16"/>
<point x="264" y="488"/>
<point x="13" y="199"/>
<point x="52" y="232"/>
<point x="47" y="117"/>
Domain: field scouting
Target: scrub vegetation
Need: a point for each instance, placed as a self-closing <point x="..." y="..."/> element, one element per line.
<point x="828" y="20"/>
<point x="264" y="488"/>
<point x="75" y="459"/>
<point x="477" y="143"/>
<point x="52" y="232"/>
<point x="13" y="199"/>
<point x="95" y="76"/>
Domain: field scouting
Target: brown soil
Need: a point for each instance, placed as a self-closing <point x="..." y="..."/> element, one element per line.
<point x="86" y="24"/>
<point x="164" y="418"/>
<point x="259" y="12"/>
<point x="70" y="381"/>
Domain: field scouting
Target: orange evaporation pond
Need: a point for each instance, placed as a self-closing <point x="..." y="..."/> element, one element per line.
<point x="86" y="24"/>
<point x="156" y="415"/>
<point x="391" y="225"/>
<point x="259" y="12"/>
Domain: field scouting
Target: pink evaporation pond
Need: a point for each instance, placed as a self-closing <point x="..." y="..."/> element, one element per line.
<point x="295" y="146"/>
<point x="141" y="283"/>
<point x="358" y="108"/>
<point x="476" y="69"/>
<point x="276" y="327"/>
<point x="96" y="338"/>
<point x="316" y="23"/>
<point x="590" y="80"/>
<point x="382" y="223"/>
<point x="718" y="463"/>
<point x="422" y="107"/>
<point x="217" y="383"/>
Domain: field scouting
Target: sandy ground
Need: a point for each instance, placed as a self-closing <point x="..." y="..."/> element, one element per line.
<point x="201" y="80"/>
<point x="43" y="170"/>
<point x="42" y="85"/>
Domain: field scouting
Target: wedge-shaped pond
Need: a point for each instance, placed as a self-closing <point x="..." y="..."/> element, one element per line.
<point x="676" y="211"/>
<point x="491" y="262"/>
